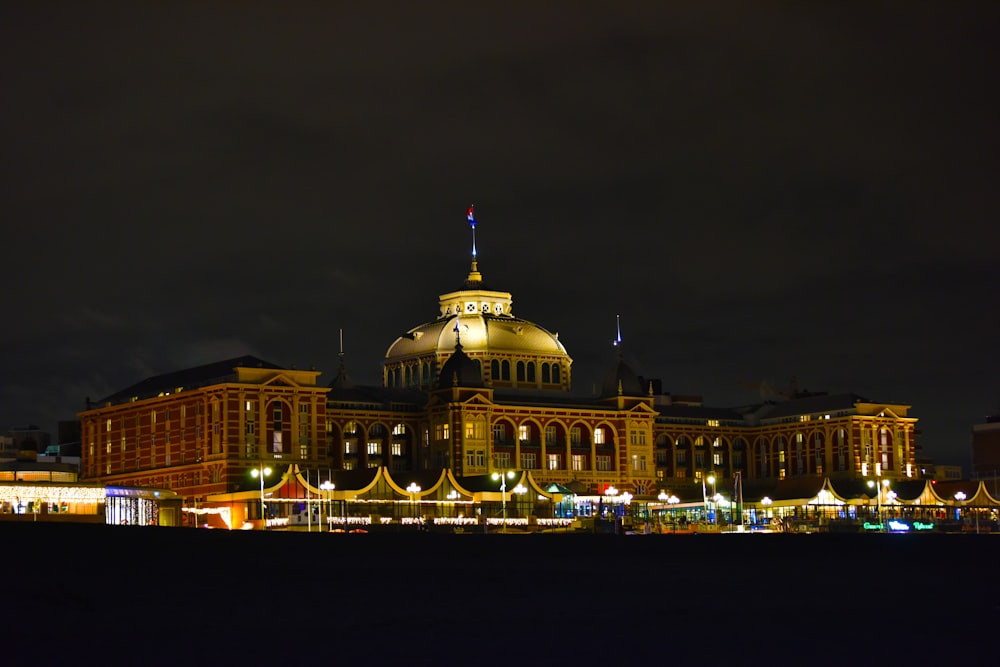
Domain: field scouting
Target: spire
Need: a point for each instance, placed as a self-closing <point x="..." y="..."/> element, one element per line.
<point x="343" y="380"/>
<point x="475" y="277"/>
<point x="618" y="323"/>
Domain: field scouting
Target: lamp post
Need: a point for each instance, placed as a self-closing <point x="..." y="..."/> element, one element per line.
<point x="413" y="489"/>
<point x="975" y="511"/>
<point x="328" y="486"/>
<point x="878" y="498"/>
<point x="960" y="498"/>
<point x="765" y="504"/>
<point x="261" y="472"/>
<point x="503" y="477"/>
<point x="704" y="494"/>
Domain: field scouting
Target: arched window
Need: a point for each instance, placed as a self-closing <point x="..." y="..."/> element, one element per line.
<point x="555" y="373"/>
<point x="505" y="370"/>
<point x="531" y="371"/>
<point x="520" y="371"/>
<point x="546" y="375"/>
<point x="495" y="369"/>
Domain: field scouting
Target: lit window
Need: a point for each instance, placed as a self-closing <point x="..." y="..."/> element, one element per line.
<point x="397" y="449"/>
<point x="522" y="432"/>
<point x="717" y="459"/>
<point x="374" y="449"/>
<point x="598" y="436"/>
<point x="553" y="462"/>
<point x="574" y="436"/>
<point x="713" y="422"/>
<point x="577" y="462"/>
<point x="109" y="425"/>
<point x="638" y="463"/>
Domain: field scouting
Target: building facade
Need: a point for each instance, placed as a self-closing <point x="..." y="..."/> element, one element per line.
<point x="476" y="391"/>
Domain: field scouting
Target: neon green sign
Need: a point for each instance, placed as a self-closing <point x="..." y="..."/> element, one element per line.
<point x="919" y="525"/>
<point x="873" y="526"/>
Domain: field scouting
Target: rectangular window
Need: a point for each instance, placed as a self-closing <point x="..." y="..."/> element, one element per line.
<point x="498" y="433"/>
<point x="109" y="425"/>
<point x="598" y="436"/>
<point x="528" y="460"/>
<point x="636" y="437"/>
<point x="699" y="459"/>
<point x="603" y="462"/>
<point x="577" y="462"/>
<point x="638" y="463"/>
<point x="474" y="430"/>
<point x="276" y="442"/>
<point x="717" y="459"/>
<point x="503" y="459"/>
<point x="682" y="457"/>
<point x="108" y="447"/>
<point x="574" y="436"/>
<point x="397" y="449"/>
<point x="350" y="447"/>
<point x="475" y="458"/>
<point x="374" y="449"/>
<point x="550" y="434"/>
<point x="522" y="432"/>
<point x="553" y="462"/>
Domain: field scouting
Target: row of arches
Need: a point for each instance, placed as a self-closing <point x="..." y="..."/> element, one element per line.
<point x="805" y="452"/>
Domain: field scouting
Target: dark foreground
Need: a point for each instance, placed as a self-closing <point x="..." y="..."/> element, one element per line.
<point x="170" y="596"/>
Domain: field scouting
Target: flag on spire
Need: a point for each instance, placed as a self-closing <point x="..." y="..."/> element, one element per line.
<point x="471" y="215"/>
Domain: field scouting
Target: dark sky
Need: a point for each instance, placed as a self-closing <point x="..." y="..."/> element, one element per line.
<point x="800" y="190"/>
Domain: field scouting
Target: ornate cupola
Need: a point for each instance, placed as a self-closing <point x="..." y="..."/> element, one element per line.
<point x="511" y="352"/>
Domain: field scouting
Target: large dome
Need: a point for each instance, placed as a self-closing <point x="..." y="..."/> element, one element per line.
<point x="512" y="352"/>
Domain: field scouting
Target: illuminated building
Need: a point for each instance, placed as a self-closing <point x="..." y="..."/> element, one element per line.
<point x="475" y="391"/>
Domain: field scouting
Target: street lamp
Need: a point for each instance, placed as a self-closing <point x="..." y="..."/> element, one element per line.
<point x="878" y="498"/>
<point x="261" y="472"/>
<point x="413" y="489"/>
<point x="503" y="477"/>
<point x="328" y="486"/>
<point x="960" y="498"/>
<point x="765" y="504"/>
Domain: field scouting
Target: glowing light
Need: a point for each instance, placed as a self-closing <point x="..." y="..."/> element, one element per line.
<point x="898" y="526"/>
<point x="53" y="494"/>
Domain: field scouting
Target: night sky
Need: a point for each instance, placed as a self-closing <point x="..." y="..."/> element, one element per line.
<point x="796" y="190"/>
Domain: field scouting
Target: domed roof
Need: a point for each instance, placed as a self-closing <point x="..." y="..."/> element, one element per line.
<point x="489" y="334"/>
<point x="460" y="371"/>
<point x="480" y="333"/>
